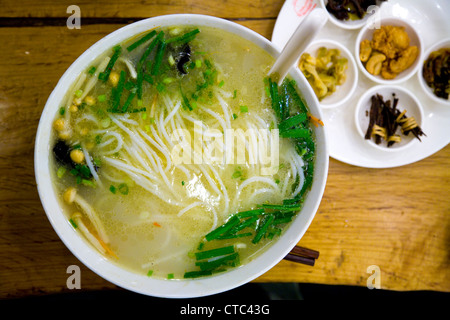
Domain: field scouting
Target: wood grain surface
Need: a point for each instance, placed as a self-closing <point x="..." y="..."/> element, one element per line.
<point x="397" y="219"/>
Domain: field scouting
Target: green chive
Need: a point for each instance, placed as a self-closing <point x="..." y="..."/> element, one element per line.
<point x="105" y="74"/>
<point x="214" y="252"/>
<point x="117" y="92"/>
<point x="144" y="39"/>
<point x="249" y="213"/>
<point x="185" y="37"/>
<point x="295" y="133"/>
<point x="232" y="222"/>
<point x="128" y="101"/>
<point x="263" y="228"/>
<point x="158" y="57"/>
<point x="292" y="121"/>
<point x="210" y="265"/>
<point x="197" y="274"/>
<point x="150" y="49"/>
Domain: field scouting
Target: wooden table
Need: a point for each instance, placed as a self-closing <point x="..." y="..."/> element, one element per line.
<point x="397" y="219"/>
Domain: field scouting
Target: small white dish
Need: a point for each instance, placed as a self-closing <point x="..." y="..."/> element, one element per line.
<point x="415" y="40"/>
<point x="406" y="101"/>
<point x="428" y="91"/>
<point x="351" y="24"/>
<point x="346" y="90"/>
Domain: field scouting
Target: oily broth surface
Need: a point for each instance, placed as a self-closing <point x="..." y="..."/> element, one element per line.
<point x="145" y="232"/>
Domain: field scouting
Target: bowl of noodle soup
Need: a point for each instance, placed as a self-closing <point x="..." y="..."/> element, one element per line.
<point x="163" y="221"/>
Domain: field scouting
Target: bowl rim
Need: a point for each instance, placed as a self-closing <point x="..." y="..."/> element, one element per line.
<point x="412" y="70"/>
<point x="367" y="95"/>
<point x="140" y="283"/>
<point x="440" y="44"/>
<point x="352" y="68"/>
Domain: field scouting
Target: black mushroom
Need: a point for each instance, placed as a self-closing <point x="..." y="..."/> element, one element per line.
<point x="183" y="57"/>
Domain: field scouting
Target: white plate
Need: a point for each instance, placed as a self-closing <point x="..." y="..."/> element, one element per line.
<point x="431" y="20"/>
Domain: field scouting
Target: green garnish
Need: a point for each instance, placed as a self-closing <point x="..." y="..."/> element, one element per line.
<point x="73" y="223"/>
<point x="112" y="189"/>
<point x="91" y="70"/>
<point x="61" y="171"/>
<point x="244" y="109"/>
<point x="158" y="58"/>
<point x="185" y="37"/>
<point x="105" y="74"/>
<point x="149" y="273"/>
<point x="123" y="188"/>
<point x="141" y="41"/>
<point x="214" y="253"/>
<point x="170" y="276"/>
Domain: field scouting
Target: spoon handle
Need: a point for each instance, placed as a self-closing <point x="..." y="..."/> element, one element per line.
<point x="302" y="37"/>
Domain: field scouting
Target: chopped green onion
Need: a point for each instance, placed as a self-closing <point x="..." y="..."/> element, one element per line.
<point x="61" y="171"/>
<point x="234" y="116"/>
<point x="221" y="83"/>
<point x="123" y="188"/>
<point x="112" y="189"/>
<point x="78" y="93"/>
<point x="101" y="98"/>
<point x="62" y="110"/>
<point x="198" y="63"/>
<point x="73" y="223"/>
<point x="214" y="252"/>
<point x="170" y="276"/>
<point x="91" y="70"/>
<point x="142" y="40"/>
<point x="244" y="108"/>
<point x="88" y="183"/>
<point x="149" y="273"/>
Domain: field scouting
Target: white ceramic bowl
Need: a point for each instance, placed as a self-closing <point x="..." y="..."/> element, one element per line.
<point x="350" y="24"/>
<point x="141" y="283"/>
<point x="346" y="90"/>
<point x="406" y="101"/>
<point x="445" y="43"/>
<point x="415" y="40"/>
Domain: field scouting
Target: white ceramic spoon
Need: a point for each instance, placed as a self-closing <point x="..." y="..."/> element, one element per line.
<point x="302" y="37"/>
